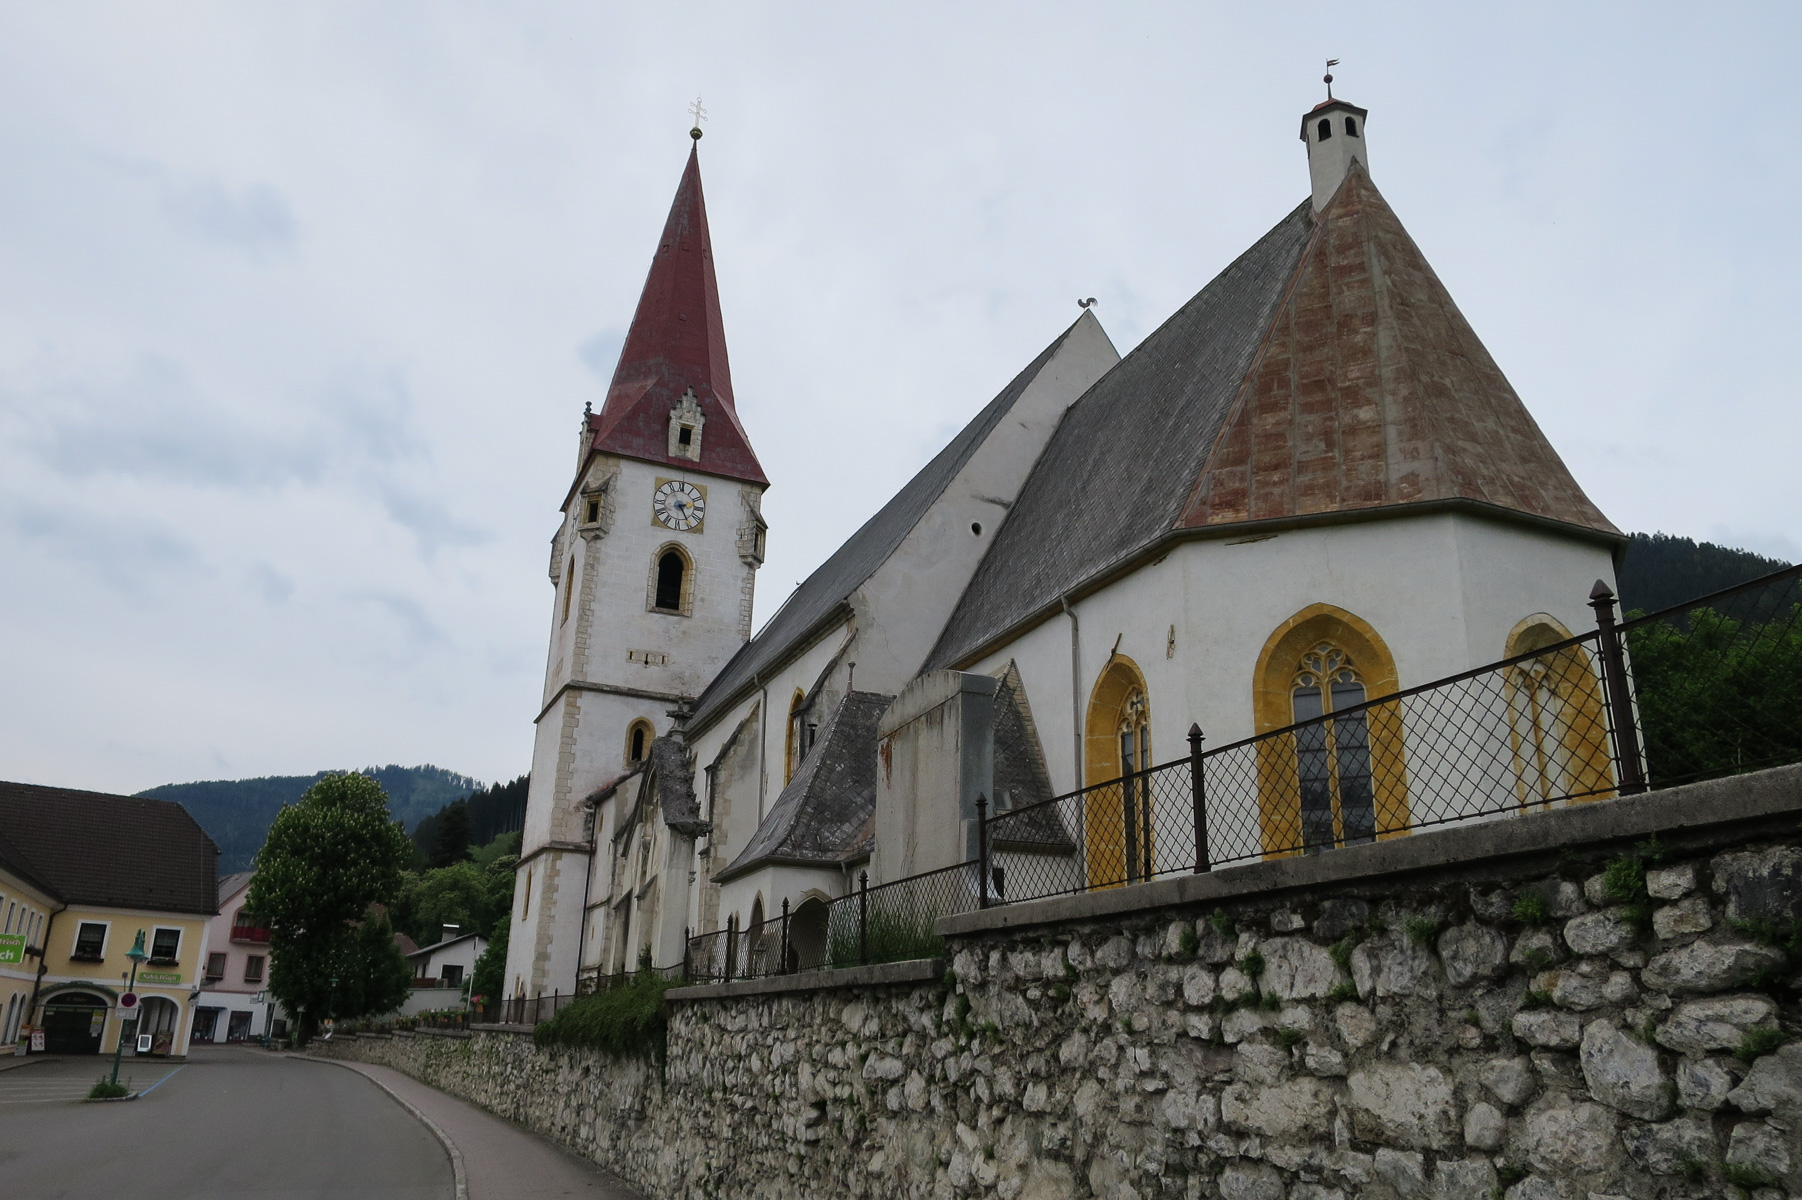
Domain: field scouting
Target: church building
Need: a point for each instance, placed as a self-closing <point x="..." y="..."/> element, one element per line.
<point x="1311" y="486"/>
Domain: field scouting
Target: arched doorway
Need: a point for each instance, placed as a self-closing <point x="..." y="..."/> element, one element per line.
<point x="1118" y="842"/>
<point x="1556" y="725"/>
<point x="807" y="935"/>
<point x="73" y="1022"/>
<point x="159" y="1018"/>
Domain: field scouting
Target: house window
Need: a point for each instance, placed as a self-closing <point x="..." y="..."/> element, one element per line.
<point x="253" y="968"/>
<point x="685" y="436"/>
<point x="90" y="940"/>
<point x="1338" y="803"/>
<point x="1324" y="129"/>
<point x="452" y="975"/>
<point x="165" y="946"/>
<point x="1351" y="127"/>
<point x="215" y="966"/>
<point x="670" y="570"/>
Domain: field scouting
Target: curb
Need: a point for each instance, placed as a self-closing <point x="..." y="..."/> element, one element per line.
<point x="450" y="1148"/>
<point x="111" y="1099"/>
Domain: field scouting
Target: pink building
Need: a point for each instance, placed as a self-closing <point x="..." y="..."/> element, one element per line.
<point x="234" y="1004"/>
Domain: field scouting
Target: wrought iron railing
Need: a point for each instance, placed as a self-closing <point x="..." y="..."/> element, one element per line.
<point x="1709" y="688"/>
<point x="1702" y="690"/>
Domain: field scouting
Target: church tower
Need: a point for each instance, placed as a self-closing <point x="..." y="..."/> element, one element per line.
<point x="653" y="569"/>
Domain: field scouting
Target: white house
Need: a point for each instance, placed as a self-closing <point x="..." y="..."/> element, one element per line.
<point x="441" y="972"/>
<point x="233" y="1004"/>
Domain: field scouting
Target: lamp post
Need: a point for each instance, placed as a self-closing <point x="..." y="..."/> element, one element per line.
<point x="137" y="955"/>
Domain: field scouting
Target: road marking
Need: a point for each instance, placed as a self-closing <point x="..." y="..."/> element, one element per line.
<point x="159" y="1083"/>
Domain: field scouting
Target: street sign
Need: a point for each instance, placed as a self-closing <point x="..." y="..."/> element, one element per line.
<point x="159" y="976"/>
<point x="128" y="1001"/>
<point x="12" y="947"/>
<point x="37" y="1041"/>
<point x="260" y="998"/>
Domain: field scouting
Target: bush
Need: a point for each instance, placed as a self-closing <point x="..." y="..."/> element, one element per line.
<point x="632" y="1019"/>
<point x="106" y="1089"/>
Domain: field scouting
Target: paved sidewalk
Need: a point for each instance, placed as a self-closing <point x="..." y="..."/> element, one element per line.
<point x="502" y="1161"/>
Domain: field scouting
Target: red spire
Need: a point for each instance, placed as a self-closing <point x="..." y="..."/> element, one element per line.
<point x="677" y="342"/>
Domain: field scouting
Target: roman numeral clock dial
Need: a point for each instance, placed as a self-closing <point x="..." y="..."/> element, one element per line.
<point x="679" y="505"/>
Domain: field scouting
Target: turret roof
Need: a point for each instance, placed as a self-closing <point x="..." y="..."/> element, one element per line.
<point x="1325" y="372"/>
<point x="677" y="342"/>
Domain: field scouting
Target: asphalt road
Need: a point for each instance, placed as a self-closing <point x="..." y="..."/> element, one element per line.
<point x="232" y="1122"/>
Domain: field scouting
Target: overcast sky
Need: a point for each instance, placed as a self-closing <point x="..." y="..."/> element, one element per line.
<point x="302" y="302"/>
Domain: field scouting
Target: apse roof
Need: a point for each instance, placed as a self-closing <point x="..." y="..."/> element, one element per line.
<point x="1326" y="371"/>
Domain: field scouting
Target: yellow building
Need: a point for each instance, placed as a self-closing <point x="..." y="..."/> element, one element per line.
<point x="82" y="874"/>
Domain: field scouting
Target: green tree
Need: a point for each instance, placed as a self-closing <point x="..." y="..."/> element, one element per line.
<point x="450" y="843"/>
<point x="328" y="858"/>
<point x="488" y="980"/>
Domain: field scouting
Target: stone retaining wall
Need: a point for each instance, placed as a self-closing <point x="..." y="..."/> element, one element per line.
<point x="1568" y="1023"/>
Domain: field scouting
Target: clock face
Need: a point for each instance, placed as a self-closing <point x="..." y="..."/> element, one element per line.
<point x="679" y="504"/>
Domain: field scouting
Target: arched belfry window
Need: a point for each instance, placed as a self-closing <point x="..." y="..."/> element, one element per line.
<point x="1339" y="777"/>
<point x="638" y="742"/>
<point x="1324" y="130"/>
<point x="1332" y="756"/>
<point x="1351" y="127"/>
<point x="672" y="581"/>
<point x="1558" y="735"/>
<point x="1119" y="842"/>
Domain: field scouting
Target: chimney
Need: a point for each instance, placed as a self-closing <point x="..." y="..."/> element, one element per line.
<point x="1334" y="132"/>
<point x="448" y="932"/>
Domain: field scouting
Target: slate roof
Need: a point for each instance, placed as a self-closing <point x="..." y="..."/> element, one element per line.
<point x="1327" y="370"/>
<point x="677" y="341"/>
<point x="229" y="884"/>
<point x="123" y="851"/>
<point x="832" y="583"/>
<point x="824" y="815"/>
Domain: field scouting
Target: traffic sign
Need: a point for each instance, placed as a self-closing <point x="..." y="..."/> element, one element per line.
<point x="129" y="1000"/>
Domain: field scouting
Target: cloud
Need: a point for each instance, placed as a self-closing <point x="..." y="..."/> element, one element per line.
<point x="430" y="523"/>
<point x="601" y="352"/>
<point x="125" y="552"/>
<point x="254" y="218"/>
<point x="271" y="584"/>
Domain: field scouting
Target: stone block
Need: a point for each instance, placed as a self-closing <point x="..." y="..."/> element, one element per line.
<point x="1406" y="1104"/>
<point x="1623" y="1072"/>
<point x="1571" y="1139"/>
<point x="1394" y="966"/>
<point x="1300" y="1108"/>
<point x="1484" y="1126"/>
<point x="1702" y="1083"/>
<point x="1717" y="1023"/>
<point x="1755" y="1144"/>
<point x="1773" y="1085"/>
<point x="1472" y="952"/>
<point x="1671" y="883"/>
<point x="1250" y="1181"/>
<point x="1760" y="885"/>
<point x="1689" y="916"/>
<point x="1510" y="1080"/>
<point x="1670" y="1148"/>
<point x="1710" y="966"/>
<point x="1403" y="1170"/>
<point x="1297" y="969"/>
<point x="1598" y="933"/>
<point x="1339" y="916"/>
<point x="1544" y="1027"/>
<point x="1463" y="1179"/>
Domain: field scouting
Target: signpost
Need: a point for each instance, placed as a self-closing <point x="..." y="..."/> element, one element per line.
<point x="12" y="948"/>
<point x="137" y="955"/>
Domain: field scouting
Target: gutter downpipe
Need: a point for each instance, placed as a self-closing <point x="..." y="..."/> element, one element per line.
<point x="1075" y="693"/>
<point x="763" y="742"/>
<point x="43" y="966"/>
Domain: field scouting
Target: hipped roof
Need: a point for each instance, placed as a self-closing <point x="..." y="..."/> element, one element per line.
<point x="117" y="851"/>
<point x="1326" y="371"/>
<point x="677" y="342"/>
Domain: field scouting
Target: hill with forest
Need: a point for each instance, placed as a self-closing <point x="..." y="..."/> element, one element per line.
<point x="1662" y="570"/>
<point x="236" y="812"/>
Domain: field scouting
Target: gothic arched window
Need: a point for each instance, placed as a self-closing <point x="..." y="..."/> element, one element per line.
<point x="1332" y="756"/>
<point x="1559" y="737"/>
<point x="638" y="741"/>
<point x="1117" y="745"/>
<point x="672" y="582"/>
<point x="1324" y="129"/>
<point x="1351" y="127"/>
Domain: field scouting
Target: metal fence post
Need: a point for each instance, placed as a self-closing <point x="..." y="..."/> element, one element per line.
<point x="731" y="944"/>
<point x="1199" y="785"/>
<point x="687" y="948"/>
<point x="1630" y="773"/>
<point x="982" y="850"/>
<point x="863" y="917"/>
<point x="784" y="968"/>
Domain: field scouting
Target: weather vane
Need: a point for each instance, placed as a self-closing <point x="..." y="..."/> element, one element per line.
<point x="700" y="114"/>
<point x="1330" y="64"/>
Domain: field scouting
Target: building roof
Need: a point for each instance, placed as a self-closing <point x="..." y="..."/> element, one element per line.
<point x="677" y="342"/>
<point x="422" y="951"/>
<point x="824" y="814"/>
<point x="119" y="851"/>
<point x="1326" y="371"/>
<point x="833" y="582"/>
<point x="231" y="885"/>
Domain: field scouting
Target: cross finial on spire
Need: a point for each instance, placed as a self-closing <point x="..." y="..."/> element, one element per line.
<point x="700" y="114"/>
<point x="1330" y="64"/>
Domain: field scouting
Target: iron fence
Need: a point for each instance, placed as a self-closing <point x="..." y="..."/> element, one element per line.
<point x="1708" y="688"/>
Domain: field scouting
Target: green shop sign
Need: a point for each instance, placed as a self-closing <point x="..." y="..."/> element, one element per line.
<point x="159" y="976"/>
<point x="12" y="947"/>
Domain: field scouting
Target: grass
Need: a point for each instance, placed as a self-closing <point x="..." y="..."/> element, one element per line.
<point x="1745" y="1176"/>
<point x="1289" y="1038"/>
<point x="1252" y="964"/>
<point x="628" y="1021"/>
<point x="1190" y="942"/>
<point x="1341" y="952"/>
<point x="1343" y="990"/>
<point x="1420" y="930"/>
<point x="1692" y="1168"/>
<point x="893" y="937"/>
<point x="1535" y="999"/>
<point x="1624" y="879"/>
<point x="1758" y="1042"/>
<point x="1530" y="909"/>
<point x="1536" y="959"/>
<point x="106" y="1089"/>
<point x="1223" y="924"/>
